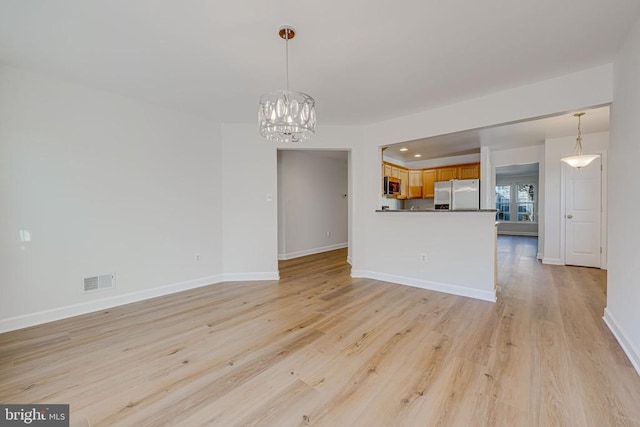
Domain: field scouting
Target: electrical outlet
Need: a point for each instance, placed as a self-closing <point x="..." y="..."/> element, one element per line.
<point x="196" y="257"/>
<point x="328" y="234"/>
<point x="423" y="257"/>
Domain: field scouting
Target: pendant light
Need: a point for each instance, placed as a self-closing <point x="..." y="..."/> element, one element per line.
<point x="287" y="115"/>
<point x="579" y="160"/>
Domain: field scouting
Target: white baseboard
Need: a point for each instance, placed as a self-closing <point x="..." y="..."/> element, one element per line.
<point x="45" y="316"/>
<point x="298" y="254"/>
<point x="349" y="260"/>
<point x="247" y="277"/>
<point x="426" y="284"/>
<point x="539" y="255"/>
<point x="627" y="346"/>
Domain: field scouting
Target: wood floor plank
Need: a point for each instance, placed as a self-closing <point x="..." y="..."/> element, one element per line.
<point x="490" y="412"/>
<point x="450" y="400"/>
<point x="553" y="379"/>
<point x="319" y="348"/>
<point x="509" y="366"/>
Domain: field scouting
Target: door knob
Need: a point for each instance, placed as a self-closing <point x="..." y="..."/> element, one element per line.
<point x="569" y="216"/>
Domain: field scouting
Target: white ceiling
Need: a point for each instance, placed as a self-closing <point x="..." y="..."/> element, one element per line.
<point x="513" y="135"/>
<point x="362" y="60"/>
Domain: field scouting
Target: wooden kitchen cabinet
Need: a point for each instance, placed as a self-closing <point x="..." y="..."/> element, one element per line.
<point x="403" y="174"/>
<point x="447" y="173"/>
<point x="389" y="169"/>
<point x="469" y="171"/>
<point x="429" y="177"/>
<point x="415" y="184"/>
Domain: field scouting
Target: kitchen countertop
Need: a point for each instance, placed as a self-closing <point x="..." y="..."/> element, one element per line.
<point x="436" y="210"/>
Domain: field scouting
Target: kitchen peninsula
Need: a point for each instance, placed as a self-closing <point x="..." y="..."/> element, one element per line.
<point x="446" y="250"/>
<point x="450" y="251"/>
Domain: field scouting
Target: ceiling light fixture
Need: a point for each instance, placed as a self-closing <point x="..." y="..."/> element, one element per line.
<point x="417" y="155"/>
<point x="579" y="160"/>
<point x="286" y="115"/>
<point x="404" y="149"/>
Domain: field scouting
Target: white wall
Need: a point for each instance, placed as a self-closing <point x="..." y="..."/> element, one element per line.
<point x="565" y="93"/>
<point x="623" y="291"/>
<point x="555" y="149"/>
<point x="249" y="204"/>
<point x="250" y="221"/>
<point x="487" y="180"/>
<point x="312" y="186"/>
<point x="518" y="156"/>
<point x="104" y="184"/>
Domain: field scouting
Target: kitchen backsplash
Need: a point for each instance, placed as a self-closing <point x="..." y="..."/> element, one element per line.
<point x="418" y="203"/>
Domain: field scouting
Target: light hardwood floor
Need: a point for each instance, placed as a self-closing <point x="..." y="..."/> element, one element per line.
<point x="319" y="348"/>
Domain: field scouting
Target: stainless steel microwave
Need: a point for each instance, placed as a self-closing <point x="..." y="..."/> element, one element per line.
<point x="391" y="186"/>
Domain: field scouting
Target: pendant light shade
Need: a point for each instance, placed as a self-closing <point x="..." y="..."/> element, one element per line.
<point x="287" y="115"/>
<point x="579" y="160"/>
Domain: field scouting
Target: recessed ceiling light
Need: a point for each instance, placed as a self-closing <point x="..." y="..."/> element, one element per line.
<point x="417" y="155"/>
<point x="404" y="149"/>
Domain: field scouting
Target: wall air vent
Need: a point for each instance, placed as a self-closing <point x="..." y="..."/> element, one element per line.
<point x="97" y="283"/>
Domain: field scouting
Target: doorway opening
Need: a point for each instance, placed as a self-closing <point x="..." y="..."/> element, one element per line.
<point x="314" y="204"/>
<point x="517" y="189"/>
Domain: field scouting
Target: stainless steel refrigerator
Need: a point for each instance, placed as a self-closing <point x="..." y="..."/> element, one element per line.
<point x="465" y="194"/>
<point x="442" y="195"/>
<point x="457" y="194"/>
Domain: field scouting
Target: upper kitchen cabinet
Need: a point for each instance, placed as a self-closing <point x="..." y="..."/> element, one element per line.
<point x="386" y="169"/>
<point x="468" y="171"/>
<point x="403" y="174"/>
<point x="447" y="173"/>
<point x="429" y="177"/>
<point x="415" y="183"/>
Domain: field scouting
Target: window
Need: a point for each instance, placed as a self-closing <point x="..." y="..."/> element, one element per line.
<point x="526" y="202"/>
<point x="503" y="202"/>
<point x="522" y="204"/>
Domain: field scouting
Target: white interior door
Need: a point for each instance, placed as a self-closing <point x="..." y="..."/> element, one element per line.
<point x="583" y="200"/>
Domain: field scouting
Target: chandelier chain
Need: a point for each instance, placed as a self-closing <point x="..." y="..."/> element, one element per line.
<point x="579" y="128"/>
<point x="286" y="37"/>
<point x="578" y="150"/>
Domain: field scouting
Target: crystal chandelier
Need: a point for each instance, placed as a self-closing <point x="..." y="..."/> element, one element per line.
<point x="579" y="160"/>
<point x="287" y="115"/>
